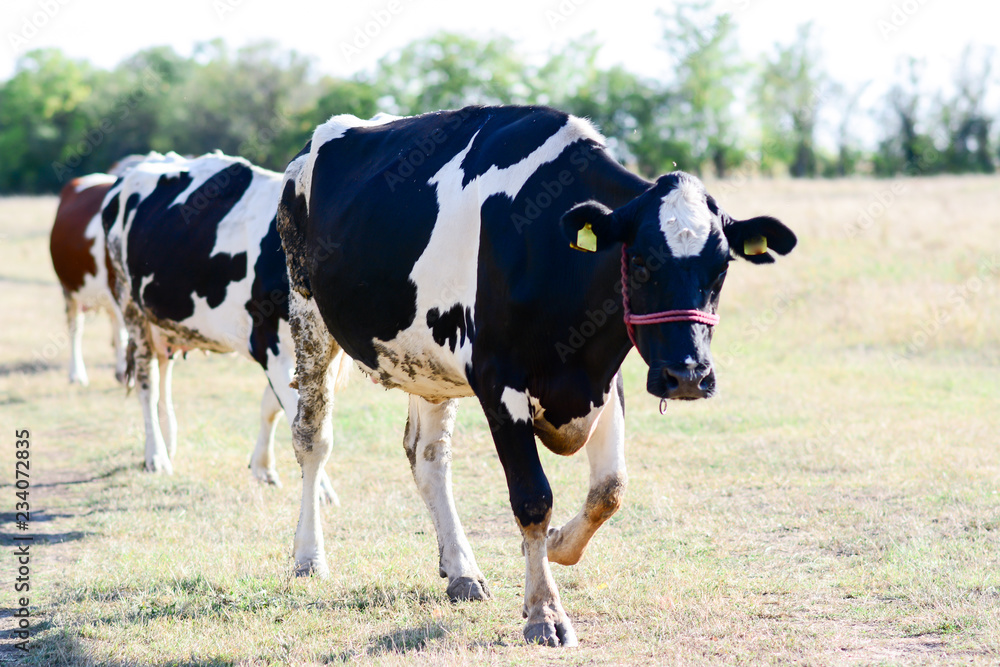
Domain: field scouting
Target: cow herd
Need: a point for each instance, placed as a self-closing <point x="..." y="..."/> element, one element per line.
<point x="449" y="255"/>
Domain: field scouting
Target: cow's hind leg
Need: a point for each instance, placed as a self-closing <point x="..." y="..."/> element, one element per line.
<point x="165" y="406"/>
<point x="531" y="500"/>
<point x="119" y="340"/>
<point x="147" y="384"/>
<point x="606" y="453"/>
<point x="74" y="318"/>
<point x="316" y="363"/>
<point x="280" y="395"/>
<point x="428" y="446"/>
<point x="262" y="460"/>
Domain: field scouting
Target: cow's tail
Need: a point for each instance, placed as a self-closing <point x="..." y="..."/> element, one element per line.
<point x="342" y="374"/>
<point x="290" y="218"/>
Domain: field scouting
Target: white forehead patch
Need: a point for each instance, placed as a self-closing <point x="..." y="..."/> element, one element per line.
<point x="685" y="219"/>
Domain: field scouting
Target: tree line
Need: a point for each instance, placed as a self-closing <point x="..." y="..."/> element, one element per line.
<point x="719" y="112"/>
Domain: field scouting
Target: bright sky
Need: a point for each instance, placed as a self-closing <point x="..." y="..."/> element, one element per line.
<point x="861" y="39"/>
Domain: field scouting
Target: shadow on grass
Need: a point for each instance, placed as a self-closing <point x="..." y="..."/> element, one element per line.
<point x="37" y="516"/>
<point x="366" y="598"/>
<point x="28" y="367"/>
<point x="63" y="648"/>
<point x="70" y="482"/>
<point x="397" y="642"/>
<point x="47" y="538"/>
<point x="111" y="472"/>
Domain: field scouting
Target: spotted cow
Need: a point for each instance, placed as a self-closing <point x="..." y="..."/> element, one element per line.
<point x="200" y="266"/>
<point x="82" y="265"/>
<point x="436" y="251"/>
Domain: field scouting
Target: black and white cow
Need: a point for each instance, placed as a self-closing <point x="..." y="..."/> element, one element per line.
<point x="435" y="250"/>
<point x="200" y="266"/>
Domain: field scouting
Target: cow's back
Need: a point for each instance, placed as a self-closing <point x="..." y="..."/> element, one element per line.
<point x="77" y="240"/>
<point x="188" y="233"/>
<point x="385" y="226"/>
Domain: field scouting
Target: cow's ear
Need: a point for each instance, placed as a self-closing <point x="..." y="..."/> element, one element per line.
<point x="592" y="226"/>
<point x="753" y="239"/>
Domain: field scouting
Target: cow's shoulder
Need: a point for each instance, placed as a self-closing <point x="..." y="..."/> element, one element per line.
<point x="512" y="135"/>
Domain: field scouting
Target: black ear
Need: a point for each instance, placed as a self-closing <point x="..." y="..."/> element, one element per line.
<point x="609" y="227"/>
<point x="753" y="239"/>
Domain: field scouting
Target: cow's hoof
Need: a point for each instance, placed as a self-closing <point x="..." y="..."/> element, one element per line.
<point x="559" y="550"/>
<point x="120" y="377"/>
<point x="550" y="634"/>
<point x="159" y="466"/>
<point x="79" y="379"/>
<point x="327" y="496"/>
<point x="267" y="476"/>
<point x="467" y="588"/>
<point x="311" y="568"/>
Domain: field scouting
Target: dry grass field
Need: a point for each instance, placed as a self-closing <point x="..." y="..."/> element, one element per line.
<point x="837" y="504"/>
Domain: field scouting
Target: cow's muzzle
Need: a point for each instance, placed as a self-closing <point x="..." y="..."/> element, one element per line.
<point x="681" y="383"/>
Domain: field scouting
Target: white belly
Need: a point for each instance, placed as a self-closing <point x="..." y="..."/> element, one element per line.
<point x="414" y="362"/>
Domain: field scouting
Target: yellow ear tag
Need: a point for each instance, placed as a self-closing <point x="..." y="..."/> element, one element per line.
<point x="755" y="246"/>
<point x="586" y="239"/>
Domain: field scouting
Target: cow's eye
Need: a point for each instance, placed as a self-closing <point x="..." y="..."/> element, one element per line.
<point x="721" y="278"/>
<point x="640" y="273"/>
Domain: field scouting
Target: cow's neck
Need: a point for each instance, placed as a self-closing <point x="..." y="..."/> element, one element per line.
<point x="605" y="351"/>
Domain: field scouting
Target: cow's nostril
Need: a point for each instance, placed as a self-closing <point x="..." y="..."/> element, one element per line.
<point x="673" y="382"/>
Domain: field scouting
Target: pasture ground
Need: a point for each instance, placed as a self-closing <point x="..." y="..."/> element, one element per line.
<point x="837" y="504"/>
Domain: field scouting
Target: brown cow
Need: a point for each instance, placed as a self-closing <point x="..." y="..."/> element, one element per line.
<point x="81" y="263"/>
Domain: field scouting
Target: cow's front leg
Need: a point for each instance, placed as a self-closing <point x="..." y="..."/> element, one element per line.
<point x="147" y="384"/>
<point x="427" y="442"/>
<point x="606" y="453"/>
<point x="165" y="405"/>
<point x="531" y="501"/>
<point x="312" y="430"/>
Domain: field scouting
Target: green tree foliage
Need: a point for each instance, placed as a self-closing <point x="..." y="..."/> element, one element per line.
<point x="707" y="66"/>
<point x="965" y="119"/>
<point x="627" y="109"/>
<point x="61" y="117"/>
<point x="448" y="71"/>
<point x="789" y="91"/>
<point x="43" y="108"/>
<point x="237" y="102"/>
<point x="906" y="147"/>
<point x="849" y="152"/>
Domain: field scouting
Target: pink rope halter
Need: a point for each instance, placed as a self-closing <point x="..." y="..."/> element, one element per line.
<point x="631" y="321"/>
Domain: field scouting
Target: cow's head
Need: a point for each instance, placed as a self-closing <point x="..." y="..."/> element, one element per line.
<point x="678" y="245"/>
